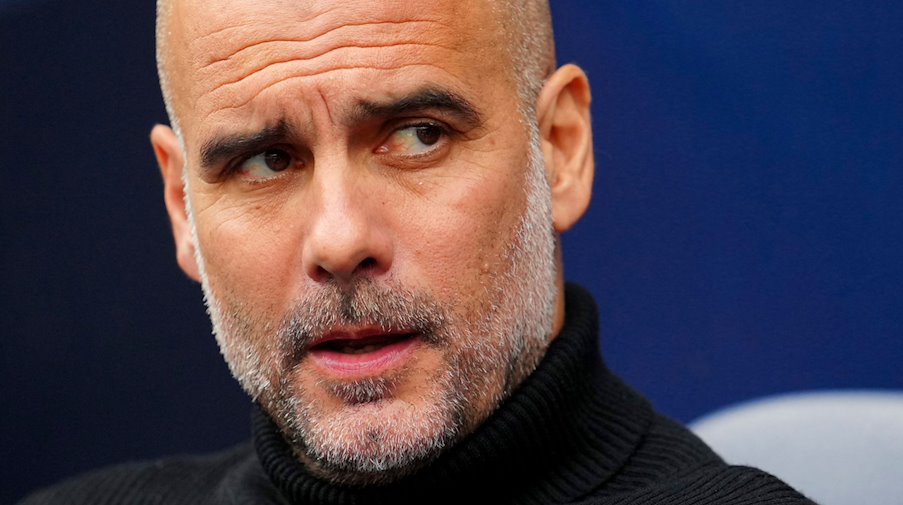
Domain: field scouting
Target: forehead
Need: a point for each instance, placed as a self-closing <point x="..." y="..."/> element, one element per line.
<point x="235" y="58"/>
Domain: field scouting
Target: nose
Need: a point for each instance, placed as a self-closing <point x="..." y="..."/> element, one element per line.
<point x="349" y="235"/>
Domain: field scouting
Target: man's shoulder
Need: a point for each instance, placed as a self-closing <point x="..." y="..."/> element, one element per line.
<point x="714" y="484"/>
<point x="737" y="484"/>
<point x="673" y="466"/>
<point x="173" y="480"/>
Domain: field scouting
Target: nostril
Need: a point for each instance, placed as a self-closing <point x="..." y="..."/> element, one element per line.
<point x="320" y="274"/>
<point x="367" y="264"/>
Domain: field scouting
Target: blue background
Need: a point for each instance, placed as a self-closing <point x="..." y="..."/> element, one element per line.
<point x="744" y="239"/>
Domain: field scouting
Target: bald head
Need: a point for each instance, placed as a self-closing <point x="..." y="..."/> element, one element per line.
<point x="525" y="24"/>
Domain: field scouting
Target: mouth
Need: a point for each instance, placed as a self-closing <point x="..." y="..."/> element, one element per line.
<point x="359" y="344"/>
<point x="362" y="353"/>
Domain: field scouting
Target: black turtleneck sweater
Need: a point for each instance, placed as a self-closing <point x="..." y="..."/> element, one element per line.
<point x="572" y="433"/>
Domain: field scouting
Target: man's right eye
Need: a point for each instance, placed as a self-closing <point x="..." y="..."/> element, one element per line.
<point x="265" y="165"/>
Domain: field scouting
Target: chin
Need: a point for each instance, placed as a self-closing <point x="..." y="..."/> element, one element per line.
<point x="375" y="441"/>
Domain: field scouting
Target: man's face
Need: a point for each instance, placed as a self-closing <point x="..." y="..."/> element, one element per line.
<point x="372" y="219"/>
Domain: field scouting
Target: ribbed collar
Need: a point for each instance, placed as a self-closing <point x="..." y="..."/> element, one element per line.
<point x="568" y="428"/>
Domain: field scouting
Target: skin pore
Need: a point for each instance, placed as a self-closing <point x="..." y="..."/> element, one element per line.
<point x="372" y="211"/>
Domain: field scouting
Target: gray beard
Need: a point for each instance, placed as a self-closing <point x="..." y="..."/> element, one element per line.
<point x="363" y="391"/>
<point x="369" y="301"/>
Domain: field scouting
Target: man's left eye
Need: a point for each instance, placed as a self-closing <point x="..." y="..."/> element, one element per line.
<point x="413" y="140"/>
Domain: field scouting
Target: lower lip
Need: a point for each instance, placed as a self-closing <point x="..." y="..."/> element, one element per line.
<point x="349" y="366"/>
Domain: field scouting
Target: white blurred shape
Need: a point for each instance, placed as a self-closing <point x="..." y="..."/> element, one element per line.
<point x="837" y="447"/>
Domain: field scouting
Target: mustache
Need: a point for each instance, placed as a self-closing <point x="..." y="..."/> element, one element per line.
<point x="363" y="302"/>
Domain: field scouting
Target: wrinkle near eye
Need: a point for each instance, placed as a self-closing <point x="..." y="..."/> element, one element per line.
<point x="204" y="198"/>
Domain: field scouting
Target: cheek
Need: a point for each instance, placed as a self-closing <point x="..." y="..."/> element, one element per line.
<point x="250" y="253"/>
<point x="460" y="236"/>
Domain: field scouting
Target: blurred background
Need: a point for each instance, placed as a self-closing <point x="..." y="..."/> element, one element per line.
<point x="744" y="240"/>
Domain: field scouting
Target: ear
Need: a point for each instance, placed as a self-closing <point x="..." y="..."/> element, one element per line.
<point x="171" y="161"/>
<point x="563" y="114"/>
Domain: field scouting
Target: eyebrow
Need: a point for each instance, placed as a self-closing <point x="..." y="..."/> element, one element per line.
<point x="221" y="148"/>
<point x="431" y="98"/>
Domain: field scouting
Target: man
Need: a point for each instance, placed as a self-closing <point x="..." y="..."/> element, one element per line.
<point x="371" y="194"/>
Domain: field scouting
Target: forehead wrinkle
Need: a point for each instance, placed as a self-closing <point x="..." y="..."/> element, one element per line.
<point x="222" y="85"/>
<point x="327" y="31"/>
<point x="341" y="48"/>
<point x="234" y="101"/>
<point x="296" y="59"/>
<point x="304" y="76"/>
<point x="243" y="26"/>
<point x="279" y="49"/>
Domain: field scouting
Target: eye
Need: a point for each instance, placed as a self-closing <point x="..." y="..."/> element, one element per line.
<point x="266" y="164"/>
<point x="413" y="140"/>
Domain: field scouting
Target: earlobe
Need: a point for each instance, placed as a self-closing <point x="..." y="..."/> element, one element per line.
<point x="563" y="114"/>
<point x="171" y="160"/>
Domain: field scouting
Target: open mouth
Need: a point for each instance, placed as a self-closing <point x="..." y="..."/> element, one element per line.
<point x="361" y="345"/>
<point x="365" y="353"/>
